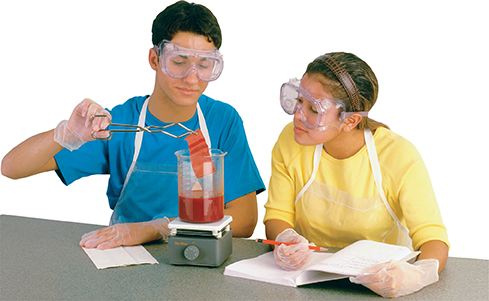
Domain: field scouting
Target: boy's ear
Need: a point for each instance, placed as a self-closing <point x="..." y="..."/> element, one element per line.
<point x="351" y="122"/>
<point x="153" y="59"/>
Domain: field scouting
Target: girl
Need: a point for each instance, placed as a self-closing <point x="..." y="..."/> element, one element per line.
<point x="339" y="176"/>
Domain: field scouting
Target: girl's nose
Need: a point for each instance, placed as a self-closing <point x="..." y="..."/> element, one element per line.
<point x="298" y="110"/>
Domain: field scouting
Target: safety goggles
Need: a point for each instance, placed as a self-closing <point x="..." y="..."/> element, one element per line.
<point x="313" y="112"/>
<point x="177" y="61"/>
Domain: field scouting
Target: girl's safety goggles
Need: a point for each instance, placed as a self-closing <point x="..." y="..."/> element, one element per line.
<point x="178" y="62"/>
<point x="293" y="98"/>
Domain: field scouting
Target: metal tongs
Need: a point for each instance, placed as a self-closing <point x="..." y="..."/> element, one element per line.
<point x="136" y="128"/>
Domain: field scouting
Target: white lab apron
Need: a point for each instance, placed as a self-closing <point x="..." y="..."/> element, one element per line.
<point x="331" y="217"/>
<point x="145" y="182"/>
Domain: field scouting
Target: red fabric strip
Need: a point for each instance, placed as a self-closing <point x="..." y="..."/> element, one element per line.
<point x="199" y="155"/>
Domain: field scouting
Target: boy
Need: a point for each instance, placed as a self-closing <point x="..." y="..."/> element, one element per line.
<point x="142" y="188"/>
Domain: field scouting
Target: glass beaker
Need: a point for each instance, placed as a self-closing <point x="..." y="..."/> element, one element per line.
<point x="201" y="196"/>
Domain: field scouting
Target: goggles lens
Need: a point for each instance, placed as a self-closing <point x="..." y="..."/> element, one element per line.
<point x="178" y="62"/>
<point x="295" y="98"/>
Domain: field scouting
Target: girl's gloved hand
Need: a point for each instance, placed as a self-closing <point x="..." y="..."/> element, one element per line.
<point x="294" y="256"/>
<point x="128" y="234"/>
<point x="73" y="133"/>
<point x="395" y="279"/>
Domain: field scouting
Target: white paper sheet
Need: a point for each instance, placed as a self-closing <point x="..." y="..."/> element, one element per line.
<point x="120" y="256"/>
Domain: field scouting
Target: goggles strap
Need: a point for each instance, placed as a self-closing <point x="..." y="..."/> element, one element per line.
<point x="344" y="77"/>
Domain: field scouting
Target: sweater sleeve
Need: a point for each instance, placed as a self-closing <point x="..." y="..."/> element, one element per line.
<point x="420" y="208"/>
<point x="282" y="192"/>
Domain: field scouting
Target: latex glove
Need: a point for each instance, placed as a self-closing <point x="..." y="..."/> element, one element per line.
<point x="73" y="133"/>
<point x="128" y="234"/>
<point x="394" y="278"/>
<point x="294" y="256"/>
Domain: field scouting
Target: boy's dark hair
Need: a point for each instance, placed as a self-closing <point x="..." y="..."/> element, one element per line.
<point x="186" y="17"/>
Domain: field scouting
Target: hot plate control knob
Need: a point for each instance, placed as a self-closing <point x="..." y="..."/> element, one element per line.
<point x="191" y="252"/>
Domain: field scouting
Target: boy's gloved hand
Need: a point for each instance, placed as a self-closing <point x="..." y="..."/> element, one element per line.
<point x="128" y="234"/>
<point x="73" y="133"/>
<point x="294" y="256"/>
<point x="394" y="278"/>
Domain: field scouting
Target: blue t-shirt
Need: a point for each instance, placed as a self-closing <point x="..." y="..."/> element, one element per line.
<point x="114" y="156"/>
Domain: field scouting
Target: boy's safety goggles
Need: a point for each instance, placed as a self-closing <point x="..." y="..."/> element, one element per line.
<point x="293" y="98"/>
<point x="177" y="61"/>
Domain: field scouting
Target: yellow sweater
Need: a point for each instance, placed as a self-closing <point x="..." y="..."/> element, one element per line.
<point x="406" y="182"/>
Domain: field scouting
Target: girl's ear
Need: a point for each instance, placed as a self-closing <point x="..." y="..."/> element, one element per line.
<point x="153" y="59"/>
<point x="351" y="122"/>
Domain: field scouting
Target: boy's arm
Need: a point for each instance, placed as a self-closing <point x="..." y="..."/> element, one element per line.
<point x="36" y="154"/>
<point x="33" y="156"/>
<point x="244" y="211"/>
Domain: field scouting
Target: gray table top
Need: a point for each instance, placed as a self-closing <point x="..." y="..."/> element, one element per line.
<point x="41" y="259"/>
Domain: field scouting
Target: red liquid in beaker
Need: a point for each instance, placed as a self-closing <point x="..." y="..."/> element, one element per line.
<point x="199" y="206"/>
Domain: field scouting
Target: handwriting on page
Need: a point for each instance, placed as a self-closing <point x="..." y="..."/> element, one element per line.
<point x="352" y="260"/>
<point x="348" y="265"/>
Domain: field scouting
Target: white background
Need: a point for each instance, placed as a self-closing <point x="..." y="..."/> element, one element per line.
<point x="430" y="58"/>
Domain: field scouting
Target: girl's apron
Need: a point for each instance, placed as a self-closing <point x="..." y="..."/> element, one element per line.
<point x="331" y="217"/>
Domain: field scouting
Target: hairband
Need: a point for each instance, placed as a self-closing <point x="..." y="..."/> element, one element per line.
<point x="344" y="78"/>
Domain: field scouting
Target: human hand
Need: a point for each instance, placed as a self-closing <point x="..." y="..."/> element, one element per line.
<point x="73" y="133"/>
<point x="127" y="234"/>
<point x="292" y="257"/>
<point x="395" y="279"/>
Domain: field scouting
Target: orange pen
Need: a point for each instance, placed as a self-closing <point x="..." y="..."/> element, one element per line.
<point x="273" y="242"/>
